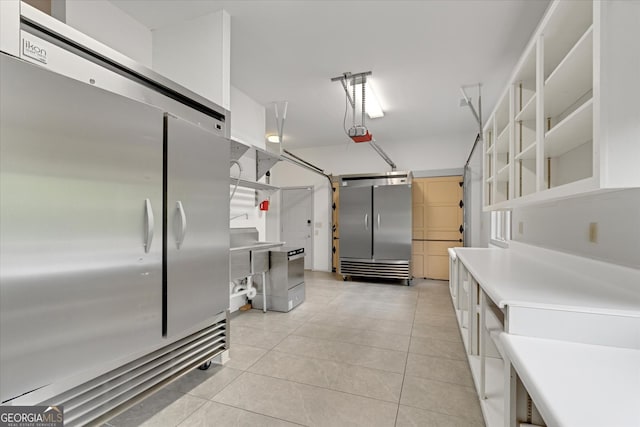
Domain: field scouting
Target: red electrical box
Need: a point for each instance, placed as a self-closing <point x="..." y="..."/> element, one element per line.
<point x="363" y="138"/>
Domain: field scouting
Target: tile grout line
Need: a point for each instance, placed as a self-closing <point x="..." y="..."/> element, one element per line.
<point x="205" y="401"/>
<point x="462" y="417"/>
<point x="258" y="413"/>
<point x="437" y="411"/>
<point x="346" y="342"/>
<point x="335" y="361"/>
<point x="354" y="343"/>
<point x="324" y="388"/>
<point x="339" y="361"/>
<point x="256" y="361"/>
<point x="404" y="375"/>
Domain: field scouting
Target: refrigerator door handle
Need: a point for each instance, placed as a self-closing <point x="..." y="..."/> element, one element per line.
<point x="366" y="221"/>
<point x="148" y="238"/>
<point x="183" y="224"/>
<point x="378" y="221"/>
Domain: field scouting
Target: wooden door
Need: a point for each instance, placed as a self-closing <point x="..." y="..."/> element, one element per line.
<point x="335" y="236"/>
<point x="437" y="222"/>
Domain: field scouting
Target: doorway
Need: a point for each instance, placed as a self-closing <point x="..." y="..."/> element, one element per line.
<point x="296" y="220"/>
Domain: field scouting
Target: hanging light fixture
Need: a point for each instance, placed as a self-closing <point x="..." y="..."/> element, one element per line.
<point x="372" y="105"/>
<point x="280" y="113"/>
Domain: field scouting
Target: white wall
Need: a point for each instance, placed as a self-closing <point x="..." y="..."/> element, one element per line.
<point x="248" y="127"/>
<point x="247" y="119"/>
<point x="108" y="24"/>
<point x="477" y="222"/>
<point x="287" y="175"/>
<point x="434" y="153"/>
<point x="564" y="226"/>
<point x="197" y="54"/>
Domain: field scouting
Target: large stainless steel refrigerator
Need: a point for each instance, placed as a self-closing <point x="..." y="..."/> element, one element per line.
<point x="114" y="233"/>
<point x="375" y="225"/>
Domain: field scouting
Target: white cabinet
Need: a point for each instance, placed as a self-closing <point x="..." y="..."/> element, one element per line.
<point x="568" y="122"/>
<point x="556" y="301"/>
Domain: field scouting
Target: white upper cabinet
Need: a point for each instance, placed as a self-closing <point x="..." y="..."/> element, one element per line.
<point x="568" y="122"/>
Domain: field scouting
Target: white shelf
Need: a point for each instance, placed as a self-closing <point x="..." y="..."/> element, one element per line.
<point x="495" y="328"/>
<point x="554" y="373"/>
<point x="568" y="20"/>
<point x="573" y="131"/>
<point x="494" y="335"/>
<point x="502" y="143"/>
<point x="503" y="174"/>
<point x="502" y="113"/>
<point x="528" y="112"/>
<point x="464" y="333"/>
<point x="265" y="161"/>
<point x="583" y="186"/>
<point x="527" y="153"/>
<point x="255" y="185"/>
<point x="492" y="322"/>
<point x="571" y="79"/>
<point x="462" y="321"/>
<point x="567" y="100"/>
<point x="503" y="204"/>
<point x="493" y="406"/>
<point x="238" y="149"/>
<point x="527" y="71"/>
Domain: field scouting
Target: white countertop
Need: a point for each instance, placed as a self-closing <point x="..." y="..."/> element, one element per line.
<point x="576" y="384"/>
<point x="553" y="280"/>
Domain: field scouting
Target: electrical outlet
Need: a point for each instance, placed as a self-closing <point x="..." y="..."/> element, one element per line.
<point x="521" y="227"/>
<point x="593" y="232"/>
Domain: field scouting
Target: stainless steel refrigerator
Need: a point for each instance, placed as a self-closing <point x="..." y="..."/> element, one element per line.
<point x="114" y="233"/>
<point x="375" y="225"/>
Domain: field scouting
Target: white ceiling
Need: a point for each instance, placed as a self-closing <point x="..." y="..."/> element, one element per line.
<point x="420" y="53"/>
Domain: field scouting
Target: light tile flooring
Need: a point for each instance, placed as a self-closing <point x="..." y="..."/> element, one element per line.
<point x="354" y="354"/>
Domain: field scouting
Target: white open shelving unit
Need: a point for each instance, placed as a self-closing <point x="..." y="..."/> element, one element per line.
<point x="264" y="161"/>
<point x="567" y="122"/>
<point x="508" y="301"/>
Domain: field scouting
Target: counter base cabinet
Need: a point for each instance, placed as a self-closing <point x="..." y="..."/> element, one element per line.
<point x="533" y="321"/>
<point x="485" y="359"/>
<point x="567" y="122"/>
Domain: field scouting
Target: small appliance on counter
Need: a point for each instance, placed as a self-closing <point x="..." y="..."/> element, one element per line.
<point x="285" y="280"/>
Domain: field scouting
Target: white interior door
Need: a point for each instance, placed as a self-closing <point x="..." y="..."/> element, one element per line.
<point x="296" y="226"/>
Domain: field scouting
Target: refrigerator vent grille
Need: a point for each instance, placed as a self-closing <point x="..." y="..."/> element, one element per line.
<point x="392" y="270"/>
<point x="96" y="401"/>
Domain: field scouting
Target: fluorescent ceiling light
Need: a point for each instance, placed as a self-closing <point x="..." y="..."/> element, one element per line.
<point x="372" y="105"/>
<point x="273" y="138"/>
